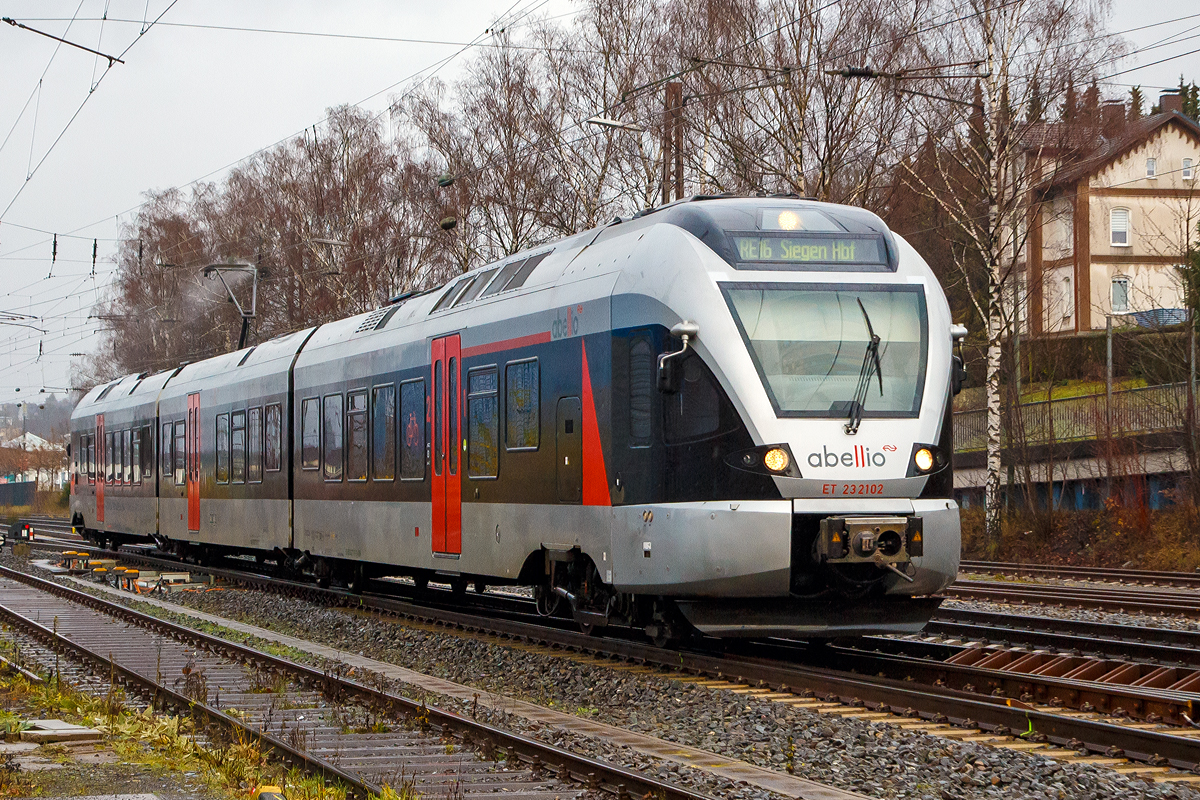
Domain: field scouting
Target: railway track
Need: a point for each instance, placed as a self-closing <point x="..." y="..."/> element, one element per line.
<point x="1105" y="574"/>
<point x="1065" y="697"/>
<point x="1158" y="602"/>
<point x="363" y="736"/>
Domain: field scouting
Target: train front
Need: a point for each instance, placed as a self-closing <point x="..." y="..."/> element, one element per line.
<point x="832" y="342"/>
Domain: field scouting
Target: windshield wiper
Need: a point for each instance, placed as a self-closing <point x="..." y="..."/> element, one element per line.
<point x="870" y="366"/>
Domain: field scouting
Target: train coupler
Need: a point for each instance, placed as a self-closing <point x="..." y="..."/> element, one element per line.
<point x="883" y="541"/>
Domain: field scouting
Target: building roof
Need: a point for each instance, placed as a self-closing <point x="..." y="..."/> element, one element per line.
<point x="1112" y="148"/>
<point x="32" y="442"/>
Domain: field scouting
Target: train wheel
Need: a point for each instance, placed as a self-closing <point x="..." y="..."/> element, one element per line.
<point x="587" y="628"/>
<point x="356" y="580"/>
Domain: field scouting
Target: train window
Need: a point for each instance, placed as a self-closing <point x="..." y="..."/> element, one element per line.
<point x="180" y="463"/>
<point x="310" y="434"/>
<point x="254" y="445"/>
<point x="452" y="293"/>
<point x="165" y="467"/>
<point x="383" y="433"/>
<point x="108" y="472"/>
<point x="641" y="391"/>
<point x="273" y="449"/>
<point x="148" y="453"/>
<point x="331" y="437"/>
<point x="237" y="447"/>
<point x="518" y="280"/>
<point x="694" y="412"/>
<point x="503" y="278"/>
<point x="222" y="448"/>
<point x="483" y="422"/>
<point x="127" y="456"/>
<point x="521" y="419"/>
<point x="437" y="418"/>
<point x="476" y="287"/>
<point x="412" y="427"/>
<point x="91" y="458"/>
<point x="356" y="436"/>
<point x="454" y="439"/>
<point x="135" y="457"/>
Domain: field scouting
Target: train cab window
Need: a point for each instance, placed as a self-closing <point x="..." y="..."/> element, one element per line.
<point x="222" y="448"/>
<point x="331" y="437"/>
<point x="148" y="453"/>
<point x="694" y="412"/>
<point x="254" y="445"/>
<point x="237" y="447"/>
<point x="135" y="457"/>
<point x="521" y="418"/>
<point x="383" y="433"/>
<point x="310" y="434"/>
<point x="641" y="391"/>
<point x="178" y="451"/>
<point x="412" y="430"/>
<point x="273" y="441"/>
<point x="356" y="436"/>
<point x="127" y="457"/>
<point x="483" y="422"/>
<point x="165" y="451"/>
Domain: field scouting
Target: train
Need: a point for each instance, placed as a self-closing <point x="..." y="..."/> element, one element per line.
<point x="723" y="416"/>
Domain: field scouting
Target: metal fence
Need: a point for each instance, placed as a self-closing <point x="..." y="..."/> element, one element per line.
<point x="1134" y="411"/>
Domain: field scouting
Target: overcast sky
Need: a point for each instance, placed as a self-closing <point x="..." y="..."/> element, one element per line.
<point x="190" y="101"/>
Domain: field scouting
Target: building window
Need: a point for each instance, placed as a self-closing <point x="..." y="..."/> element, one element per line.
<point x="254" y="445"/>
<point x="237" y="438"/>
<point x="383" y="432"/>
<point x="310" y="434"/>
<point x="521" y="417"/>
<point x="1068" y="299"/>
<point x="331" y="437"/>
<point x="483" y="422"/>
<point x="273" y="450"/>
<point x="222" y="448"/>
<point x="180" y="453"/>
<point x="412" y="431"/>
<point x="1151" y="167"/>
<point x="1120" y="295"/>
<point x="1187" y="169"/>
<point x="356" y="436"/>
<point x="1118" y="226"/>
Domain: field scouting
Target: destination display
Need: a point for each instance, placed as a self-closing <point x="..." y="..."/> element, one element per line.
<point x="811" y="249"/>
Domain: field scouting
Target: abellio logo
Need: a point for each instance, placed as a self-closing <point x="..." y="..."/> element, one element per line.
<point x="859" y="456"/>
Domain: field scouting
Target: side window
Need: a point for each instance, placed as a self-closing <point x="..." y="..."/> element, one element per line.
<point x="135" y="458"/>
<point x="1118" y="226"/>
<point x="694" y="412"/>
<point x="91" y="458"/>
<point x="310" y="434"/>
<point x="273" y="444"/>
<point x="412" y="430"/>
<point x="383" y="433"/>
<point x="237" y="447"/>
<point x="641" y="391"/>
<point x="222" y="448"/>
<point x="165" y="448"/>
<point x="356" y="436"/>
<point x="254" y="445"/>
<point x="1120" y="295"/>
<point x="108" y="457"/>
<point x="331" y="437"/>
<point x="454" y="440"/>
<point x="126" y="456"/>
<point x="148" y="453"/>
<point x="521" y="417"/>
<point x="180" y="444"/>
<point x="483" y="422"/>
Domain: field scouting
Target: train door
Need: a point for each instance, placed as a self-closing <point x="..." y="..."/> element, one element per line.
<point x="568" y="443"/>
<point x="191" y="450"/>
<point x="100" y="454"/>
<point x="447" y="445"/>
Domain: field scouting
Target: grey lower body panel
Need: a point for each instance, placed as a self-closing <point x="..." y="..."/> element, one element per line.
<point x="791" y="617"/>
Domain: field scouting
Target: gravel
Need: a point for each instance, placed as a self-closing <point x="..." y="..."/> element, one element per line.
<point x="1078" y="614"/>
<point x="878" y="760"/>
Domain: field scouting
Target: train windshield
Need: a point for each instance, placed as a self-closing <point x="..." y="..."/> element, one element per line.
<point x="808" y="342"/>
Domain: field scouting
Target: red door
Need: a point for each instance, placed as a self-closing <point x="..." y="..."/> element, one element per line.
<point x="192" y="461"/>
<point x="100" y="468"/>
<point x="447" y="445"/>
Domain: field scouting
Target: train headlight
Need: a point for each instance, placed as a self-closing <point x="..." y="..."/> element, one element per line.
<point x="923" y="458"/>
<point x="776" y="459"/>
<point x="788" y="220"/>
